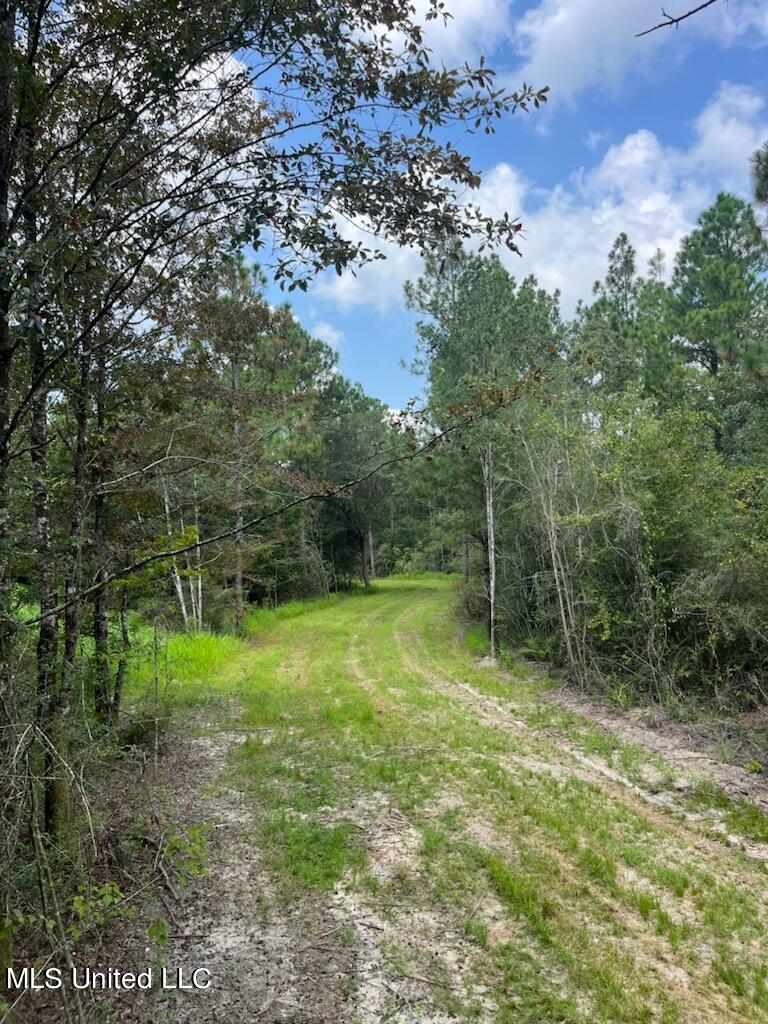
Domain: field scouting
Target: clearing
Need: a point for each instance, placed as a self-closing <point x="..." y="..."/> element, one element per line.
<point x="401" y="832"/>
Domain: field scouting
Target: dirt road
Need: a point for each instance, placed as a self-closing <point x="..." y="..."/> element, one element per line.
<point x="403" y="832"/>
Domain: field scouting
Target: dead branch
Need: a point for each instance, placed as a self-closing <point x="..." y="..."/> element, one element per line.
<point x="672" y="21"/>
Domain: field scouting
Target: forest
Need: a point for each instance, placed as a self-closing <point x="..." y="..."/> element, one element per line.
<point x="612" y="513"/>
<point x="230" y="578"/>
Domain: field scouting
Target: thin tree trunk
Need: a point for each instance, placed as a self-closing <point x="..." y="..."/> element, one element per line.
<point x="175" y="576"/>
<point x="191" y="583"/>
<point x="490" y="529"/>
<point x="547" y="487"/>
<point x="309" y="558"/>
<point x="192" y="593"/>
<point x="123" y="660"/>
<point x="7" y="77"/>
<point x="465" y="561"/>
<point x="48" y="632"/>
<point x="102" y="681"/>
<point x="364" y="559"/>
<point x="49" y="701"/>
<point x="47" y="641"/>
<point x="102" y="687"/>
<point x="303" y="543"/>
<point x="560" y="582"/>
<point x="239" y="538"/>
<point x="198" y="560"/>
<point x="7" y="689"/>
<point x="371" y="552"/>
<point x="321" y="566"/>
<point x="239" y="601"/>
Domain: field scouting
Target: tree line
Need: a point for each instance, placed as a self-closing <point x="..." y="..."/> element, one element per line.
<point x="613" y="518"/>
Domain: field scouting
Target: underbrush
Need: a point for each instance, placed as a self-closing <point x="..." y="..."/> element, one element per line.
<point x="732" y="725"/>
<point x="100" y="892"/>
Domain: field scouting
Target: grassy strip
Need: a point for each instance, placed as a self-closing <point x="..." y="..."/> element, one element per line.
<point x="600" y="893"/>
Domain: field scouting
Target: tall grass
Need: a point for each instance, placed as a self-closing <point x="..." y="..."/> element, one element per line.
<point x="183" y="667"/>
<point x="187" y="667"/>
<point x="262" y="620"/>
<point x="189" y="656"/>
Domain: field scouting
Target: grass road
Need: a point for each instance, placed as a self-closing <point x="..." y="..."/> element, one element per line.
<point x="409" y="834"/>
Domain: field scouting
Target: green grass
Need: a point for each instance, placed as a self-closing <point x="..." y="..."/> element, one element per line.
<point x="353" y="710"/>
<point x="186" y="669"/>
<point x="740" y="816"/>
<point x="311" y="855"/>
<point x="262" y="620"/>
<point x="191" y="666"/>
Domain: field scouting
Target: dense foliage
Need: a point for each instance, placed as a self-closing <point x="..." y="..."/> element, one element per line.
<point x="620" y="503"/>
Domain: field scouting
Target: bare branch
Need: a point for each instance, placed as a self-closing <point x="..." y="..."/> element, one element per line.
<point x="672" y="21"/>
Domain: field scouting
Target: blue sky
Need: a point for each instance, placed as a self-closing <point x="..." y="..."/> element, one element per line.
<point x="639" y="135"/>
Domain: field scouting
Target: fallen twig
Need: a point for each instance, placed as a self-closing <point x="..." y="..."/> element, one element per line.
<point x="323" y="935"/>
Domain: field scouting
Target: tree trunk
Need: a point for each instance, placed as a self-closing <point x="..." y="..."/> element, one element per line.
<point x="103" y="678"/>
<point x="175" y="576"/>
<point x="198" y="561"/>
<point x="57" y="793"/>
<point x="303" y="543"/>
<point x="305" y="560"/>
<point x="7" y="692"/>
<point x="239" y="539"/>
<point x="371" y="552"/>
<point x="490" y="529"/>
<point x="102" y="682"/>
<point x="191" y="584"/>
<point x="364" y="559"/>
<point x="320" y="562"/>
<point x="560" y="586"/>
<point x="465" y="561"/>
<point x="6" y="946"/>
<point x="7" y="77"/>
<point x="122" y="664"/>
<point x="239" y="601"/>
<point x="47" y="640"/>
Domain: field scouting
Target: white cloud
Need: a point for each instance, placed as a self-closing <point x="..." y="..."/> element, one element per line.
<point x="745" y="20"/>
<point x="575" y="46"/>
<point x="652" y="191"/>
<point x="570" y="233"/>
<point x="593" y="140"/>
<point x="331" y="335"/>
<point x="378" y="284"/>
<point x="475" y="27"/>
<point x="729" y="130"/>
<point x="503" y="191"/>
<point x="636" y="168"/>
